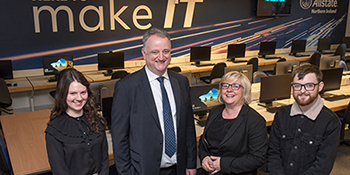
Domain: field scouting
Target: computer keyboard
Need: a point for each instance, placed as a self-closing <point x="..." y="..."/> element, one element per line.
<point x="201" y="65"/>
<point x="336" y="97"/>
<point x="273" y="109"/>
<point x="302" y="55"/>
<point x="240" y="61"/>
<point x="269" y="58"/>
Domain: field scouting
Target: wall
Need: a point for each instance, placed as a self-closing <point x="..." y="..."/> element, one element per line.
<point x="86" y="27"/>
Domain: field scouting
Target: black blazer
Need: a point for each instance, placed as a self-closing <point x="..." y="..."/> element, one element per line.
<point x="243" y="149"/>
<point x="136" y="133"/>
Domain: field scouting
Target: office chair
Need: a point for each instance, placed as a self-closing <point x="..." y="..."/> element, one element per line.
<point x="341" y="50"/>
<point x="257" y="76"/>
<point x="315" y="58"/>
<point x="345" y="119"/>
<point x="119" y="74"/>
<point x="5" y="97"/>
<point x="96" y="88"/>
<point x="176" y="69"/>
<point x="217" y="72"/>
<point x="255" y="63"/>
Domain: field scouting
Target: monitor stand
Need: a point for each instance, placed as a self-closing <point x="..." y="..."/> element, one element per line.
<point x="109" y="72"/>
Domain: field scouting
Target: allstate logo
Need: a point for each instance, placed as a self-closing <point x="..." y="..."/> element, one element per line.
<point x="305" y="4"/>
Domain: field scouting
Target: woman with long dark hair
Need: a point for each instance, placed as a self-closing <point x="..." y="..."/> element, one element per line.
<point x="75" y="136"/>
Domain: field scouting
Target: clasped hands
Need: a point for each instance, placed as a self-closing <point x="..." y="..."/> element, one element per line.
<point x="211" y="164"/>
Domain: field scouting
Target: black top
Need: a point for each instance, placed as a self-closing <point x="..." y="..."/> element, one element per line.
<point x="216" y="133"/>
<point x="73" y="148"/>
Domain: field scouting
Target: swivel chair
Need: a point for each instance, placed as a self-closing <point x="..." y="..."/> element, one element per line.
<point x="255" y="62"/>
<point x="341" y="50"/>
<point x="315" y="58"/>
<point x="119" y="74"/>
<point x="176" y="69"/>
<point x="273" y="72"/>
<point x="5" y="97"/>
<point x="217" y="72"/>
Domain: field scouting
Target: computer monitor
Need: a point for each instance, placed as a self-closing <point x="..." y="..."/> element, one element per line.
<point x="346" y="40"/>
<point x="286" y="67"/>
<point x="204" y="97"/>
<point x="200" y="53"/>
<point x="107" y="109"/>
<point x="247" y="70"/>
<point x="274" y="87"/>
<point x="267" y="48"/>
<point x="235" y="51"/>
<point x="331" y="79"/>
<point x="324" y="44"/>
<point x="52" y="65"/>
<point x="109" y="61"/>
<point x="329" y="62"/>
<point x="6" y="69"/>
<point x="298" y="46"/>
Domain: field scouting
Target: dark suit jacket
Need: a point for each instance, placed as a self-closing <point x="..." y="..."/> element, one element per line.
<point x="243" y="148"/>
<point x="136" y="132"/>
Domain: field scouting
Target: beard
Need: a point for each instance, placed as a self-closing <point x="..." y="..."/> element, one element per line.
<point x="306" y="98"/>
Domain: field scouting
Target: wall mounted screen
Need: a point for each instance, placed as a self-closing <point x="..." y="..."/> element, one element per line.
<point x="6" y="69"/>
<point x="273" y="7"/>
<point x="52" y="65"/>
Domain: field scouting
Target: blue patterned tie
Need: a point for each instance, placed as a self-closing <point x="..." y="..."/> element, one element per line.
<point x="170" y="143"/>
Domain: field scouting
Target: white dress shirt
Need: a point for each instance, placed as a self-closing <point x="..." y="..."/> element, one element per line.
<point x="157" y="96"/>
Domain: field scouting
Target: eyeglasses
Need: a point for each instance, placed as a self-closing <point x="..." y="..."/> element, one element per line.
<point x="307" y="86"/>
<point x="234" y="86"/>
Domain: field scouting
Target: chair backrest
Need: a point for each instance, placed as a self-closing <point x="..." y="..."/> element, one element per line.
<point x="218" y="71"/>
<point x="255" y="63"/>
<point x="257" y="76"/>
<point x="347" y="115"/>
<point x="341" y="50"/>
<point x="5" y="97"/>
<point x="315" y="58"/>
<point x="176" y="69"/>
<point x="119" y="74"/>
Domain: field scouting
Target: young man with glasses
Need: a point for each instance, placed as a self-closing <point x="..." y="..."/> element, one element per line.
<point x="305" y="135"/>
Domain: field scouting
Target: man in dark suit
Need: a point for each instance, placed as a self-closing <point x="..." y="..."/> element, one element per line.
<point x="142" y="132"/>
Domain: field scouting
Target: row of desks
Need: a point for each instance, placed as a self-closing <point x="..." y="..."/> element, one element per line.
<point x="33" y="83"/>
<point x="25" y="136"/>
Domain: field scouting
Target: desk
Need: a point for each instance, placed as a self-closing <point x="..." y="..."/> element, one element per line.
<point x="25" y="139"/>
<point x="25" y="136"/>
